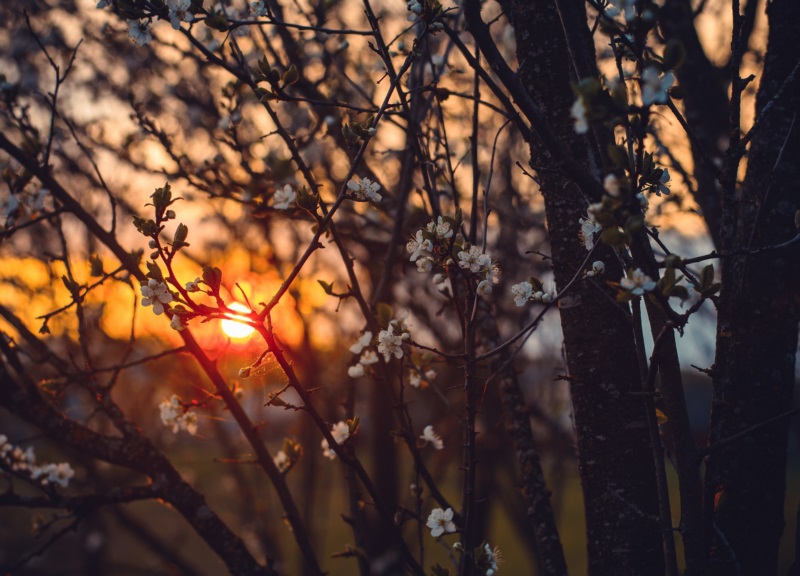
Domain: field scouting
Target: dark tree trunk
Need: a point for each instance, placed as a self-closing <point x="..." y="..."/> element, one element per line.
<point x="758" y="320"/>
<point x="615" y="457"/>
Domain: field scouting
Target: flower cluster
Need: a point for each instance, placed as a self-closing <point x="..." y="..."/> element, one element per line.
<point x="155" y="294"/>
<point x="340" y="432"/>
<point x="427" y="246"/>
<point x="366" y="358"/>
<point x="173" y="414"/>
<point x="364" y="190"/>
<point x="432" y="438"/>
<point x="478" y="262"/>
<point x="531" y="290"/>
<point x="441" y="521"/>
<point x="139" y="30"/>
<point x="23" y="462"/>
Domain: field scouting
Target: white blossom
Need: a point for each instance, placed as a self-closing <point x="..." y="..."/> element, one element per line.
<point x="492" y="558"/>
<point x="424" y="265"/>
<point x="589" y="227"/>
<point x="172" y="415"/>
<point x="441" y="228"/>
<point x="655" y="87"/>
<point x="361" y="343"/>
<point x="179" y="12"/>
<point x="192" y="286"/>
<point x="155" y="294"/>
<point x="139" y="32"/>
<point x="176" y="323"/>
<point x="474" y="260"/>
<point x="612" y="185"/>
<point x="522" y="292"/>
<point x="54" y="474"/>
<point x="368" y="358"/>
<point x="340" y="432"/>
<point x="284" y="198"/>
<point x="578" y="113"/>
<point x="414" y="9"/>
<point x="356" y="370"/>
<point x="281" y="461"/>
<point x="419" y="246"/>
<point x="366" y="189"/>
<point x="259" y="8"/>
<point x="625" y="7"/>
<point x="598" y="268"/>
<point x="391" y="344"/>
<point x="637" y="283"/>
<point x="441" y="521"/>
<point x="432" y="438"/>
<point x="662" y="184"/>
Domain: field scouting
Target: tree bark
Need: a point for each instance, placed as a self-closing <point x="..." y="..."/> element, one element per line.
<point x="758" y="320"/>
<point x="615" y="457"/>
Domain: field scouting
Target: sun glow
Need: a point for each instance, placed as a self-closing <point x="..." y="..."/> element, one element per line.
<point x="234" y="328"/>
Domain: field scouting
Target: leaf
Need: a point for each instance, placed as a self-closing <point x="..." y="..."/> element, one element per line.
<point x="661" y="417"/>
<point x="674" y="54"/>
<point x="73" y="287"/>
<point x="385" y="314"/>
<point x="613" y="236"/>
<point x="618" y="155"/>
<point x="96" y="265"/>
<point x="217" y="22"/>
<point x="263" y="65"/>
<point x="213" y="278"/>
<point x="706" y="277"/>
<point x="537" y="284"/>
<point x="291" y="76"/>
<point x="633" y="224"/>
<point x="145" y="226"/>
<point x="180" y="235"/>
<point x="153" y="271"/>
<point x="162" y="198"/>
<point x="327" y="287"/>
<point x="679" y="292"/>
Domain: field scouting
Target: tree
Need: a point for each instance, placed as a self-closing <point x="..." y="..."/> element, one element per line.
<point x="266" y="153"/>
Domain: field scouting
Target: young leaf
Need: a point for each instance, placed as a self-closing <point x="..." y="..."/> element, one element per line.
<point x="178" y="240"/>
<point x="96" y="265"/>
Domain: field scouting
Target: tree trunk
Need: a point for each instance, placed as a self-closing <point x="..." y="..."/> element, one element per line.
<point x="615" y="457"/>
<point x="758" y="321"/>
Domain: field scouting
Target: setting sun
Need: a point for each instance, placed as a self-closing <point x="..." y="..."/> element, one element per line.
<point x="235" y="328"/>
